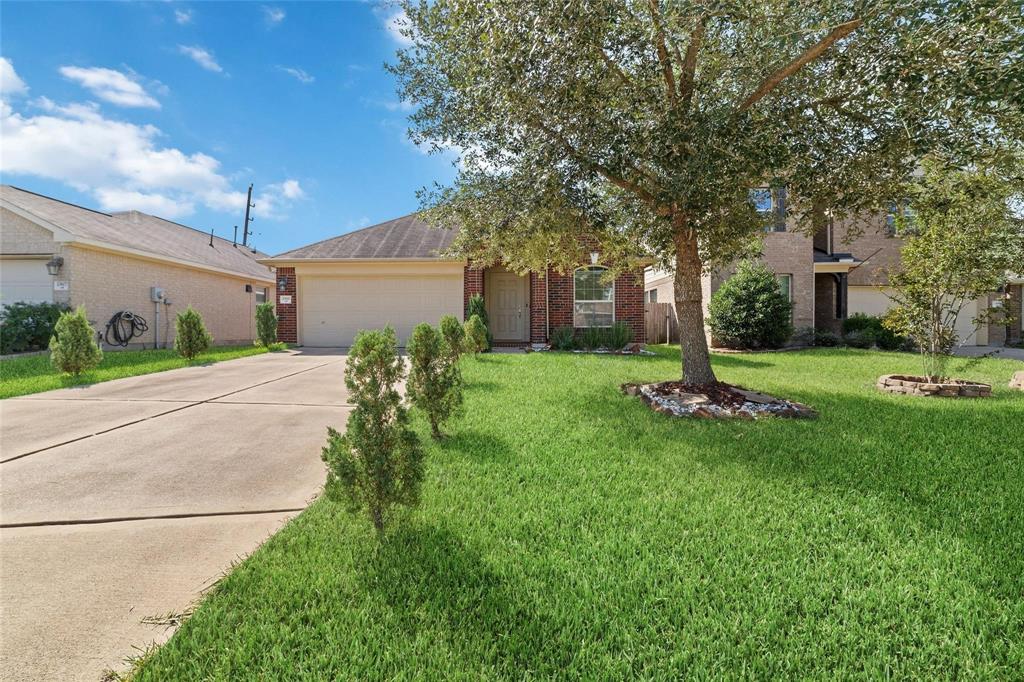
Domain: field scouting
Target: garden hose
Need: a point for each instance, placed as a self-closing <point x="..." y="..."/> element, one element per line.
<point x="123" y="327"/>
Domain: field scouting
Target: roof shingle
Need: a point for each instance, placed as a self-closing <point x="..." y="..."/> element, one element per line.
<point x="405" y="237"/>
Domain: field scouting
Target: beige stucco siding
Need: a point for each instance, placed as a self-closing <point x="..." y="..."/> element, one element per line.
<point x="108" y="282"/>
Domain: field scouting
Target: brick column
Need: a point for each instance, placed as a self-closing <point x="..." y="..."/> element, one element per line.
<point x="538" y="308"/>
<point x="472" y="283"/>
<point x="629" y="303"/>
<point x="287" y="313"/>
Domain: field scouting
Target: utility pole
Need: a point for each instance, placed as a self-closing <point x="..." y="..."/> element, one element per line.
<point x="248" y="205"/>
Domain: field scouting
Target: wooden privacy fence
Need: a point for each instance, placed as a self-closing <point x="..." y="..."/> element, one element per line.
<point x="661" y="323"/>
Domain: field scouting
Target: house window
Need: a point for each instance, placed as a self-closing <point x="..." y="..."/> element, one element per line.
<point x="900" y="219"/>
<point x="593" y="298"/>
<point x="786" y="286"/>
<point x="770" y="204"/>
<point x="652" y="296"/>
<point x="261" y="295"/>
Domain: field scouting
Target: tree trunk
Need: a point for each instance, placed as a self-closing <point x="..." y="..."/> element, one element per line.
<point x="377" y="514"/>
<point x="690" y="307"/>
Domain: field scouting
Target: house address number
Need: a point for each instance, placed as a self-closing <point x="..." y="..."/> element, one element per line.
<point x="285" y="300"/>
<point x="60" y="285"/>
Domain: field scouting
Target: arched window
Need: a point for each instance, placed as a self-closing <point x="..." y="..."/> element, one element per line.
<point x="593" y="298"/>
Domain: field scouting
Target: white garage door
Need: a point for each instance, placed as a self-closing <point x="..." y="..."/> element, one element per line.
<point x="25" y="279"/>
<point x="871" y="301"/>
<point x="333" y="309"/>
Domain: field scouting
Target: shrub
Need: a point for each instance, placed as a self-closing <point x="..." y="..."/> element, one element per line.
<point x="862" y="338"/>
<point x="563" y="338"/>
<point x="826" y="339"/>
<point x="619" y="336"/>
<point x="191" y="337"/>
<point x="378" y="463"/>
<point x="266" y="324"/>
<point x="28" y="326"/>
<point x="435" y="383"/>
<point x="874" y="327"/>
<point x="454" y="336"/>
<point x="73" y="347"/>
<point x="750" y="311"/>
<point x="592" y="338"/>
<point x="476" y="307"/>
<point x="476" y="334"/>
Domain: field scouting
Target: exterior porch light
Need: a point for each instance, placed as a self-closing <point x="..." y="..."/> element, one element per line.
<point x="54" y="265"/>
<point x="593" y="257"/>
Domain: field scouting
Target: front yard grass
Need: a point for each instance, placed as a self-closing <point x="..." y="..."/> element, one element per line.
<point x="567" y="531"/>
<point x="34" y="373"/>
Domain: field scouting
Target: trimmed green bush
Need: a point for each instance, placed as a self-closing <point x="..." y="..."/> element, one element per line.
<point x="378" y="464"/>
<point x="73" y="347"/>
<point x="826" y="339"/>
<point x="872" y="327"/>
<point x="191" y="337"/>
<point x="28" y="326"/>
<point x="266" y="324"/>
<point x="750" y="311"/>
<point x="860" y="338"/>
<point x="477" y="307"/>
<point x="619" y="336"/>
<point x="476" y="334"/>
<point x="454" y="336"/>
<point x="435" y="382"/>
<point x="563" y="338"/>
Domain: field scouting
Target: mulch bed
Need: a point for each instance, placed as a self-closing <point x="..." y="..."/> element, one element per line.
<point x="715" y="401"/>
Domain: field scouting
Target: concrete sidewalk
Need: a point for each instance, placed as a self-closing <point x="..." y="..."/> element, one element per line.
<point x="121" y="502"/>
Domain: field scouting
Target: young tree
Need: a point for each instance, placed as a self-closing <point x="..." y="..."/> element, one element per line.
<point x="191" y="337"/>
<point x="477" y="308"/>
<point x="378" y="464"/>
<point x="476" y="334"/>
<point x="266" y="324"/>
<point x="750" y="311"/>
<point x="435" y="383"/>
<point x="73" y="347"/>
<point x="647" y="123"/>
<point x="454" y="336"/>
<point x="963" y="240"/>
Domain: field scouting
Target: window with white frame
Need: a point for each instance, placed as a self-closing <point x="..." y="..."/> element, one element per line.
<point x="786" y="286"/>
<point x="652" y="296"/>
<point x="900" y="220"/>
<point x="770" y="204"/>
<point x="593" y="298"/>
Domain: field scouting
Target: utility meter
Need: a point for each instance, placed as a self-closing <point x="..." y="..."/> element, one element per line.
<point x="156" y="294"/>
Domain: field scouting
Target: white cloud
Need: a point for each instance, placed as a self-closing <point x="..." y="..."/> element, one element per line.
<point x="183" y="16"/>
<point x="123" y="165"/>
<point x="10" y="82"/>
<point x="298" y="74"/>
<point x="273" y="15"/>
<point x="201" y="56"/>
<point x="110" y="85"/>
<point x="395" y="25"/>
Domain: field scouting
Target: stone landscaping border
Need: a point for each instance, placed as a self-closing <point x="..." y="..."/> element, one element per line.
<point x="631" y="349"/>
<point x="715" y="401"/>
<point x="951" y="388"/>
<point x="1017" y="380"/>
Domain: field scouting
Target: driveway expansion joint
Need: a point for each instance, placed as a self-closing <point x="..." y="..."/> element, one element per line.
<point x="155" y="517"/>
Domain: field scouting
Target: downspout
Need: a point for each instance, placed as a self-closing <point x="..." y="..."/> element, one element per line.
<point x="156" y="325"/>
<point x="547" y="304"/>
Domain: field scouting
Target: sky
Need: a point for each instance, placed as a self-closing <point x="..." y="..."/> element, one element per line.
<point x="173" y="108"/>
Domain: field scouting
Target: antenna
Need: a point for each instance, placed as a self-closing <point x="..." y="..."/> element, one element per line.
<point x="245" y="227"/>
<point x="234" y="240"/>
<point x="211" y="236"/>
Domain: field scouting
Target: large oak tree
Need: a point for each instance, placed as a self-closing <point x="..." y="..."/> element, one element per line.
<point x="647" y="122"/>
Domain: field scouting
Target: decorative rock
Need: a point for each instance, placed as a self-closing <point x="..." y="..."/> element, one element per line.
<point x="954" y="388"/>
<point x="755" y="397"/>
<point x="1017" y="381"/>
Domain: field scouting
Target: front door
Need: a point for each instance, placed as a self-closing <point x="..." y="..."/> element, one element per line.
<point x="507" y="309"/>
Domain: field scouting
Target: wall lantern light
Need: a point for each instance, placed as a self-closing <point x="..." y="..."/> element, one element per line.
<point x="54" y="265"/>
<point x="593" y="257"/>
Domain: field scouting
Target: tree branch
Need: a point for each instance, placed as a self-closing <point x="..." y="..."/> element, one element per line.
<point x="663" y="57"/>
<point x="614" y="67"/>
<point x="809" y="55"/>
<point x="689" y="67"/>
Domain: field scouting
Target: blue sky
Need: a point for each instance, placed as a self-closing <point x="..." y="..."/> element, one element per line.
<point x="174" y="108"/>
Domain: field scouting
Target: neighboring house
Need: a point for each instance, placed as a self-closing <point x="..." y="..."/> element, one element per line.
<point x="828" y="277"/>
<point x="112" y="262"/>
<point x="392" y="274"/>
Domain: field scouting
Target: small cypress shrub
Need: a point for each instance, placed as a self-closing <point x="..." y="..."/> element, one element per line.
<point x="191" y="337"/>
<point x="750" y="311"/>
<point x="454" y="336"/>
<point x="73" y="347"/>
<point x="476" y="334"/>
<point x="266" y="324"/>
<point x="377" y="465"/>
<point x="435" y="383"/>
<point x="563" y="338"/>
<point x="476" y="307"/>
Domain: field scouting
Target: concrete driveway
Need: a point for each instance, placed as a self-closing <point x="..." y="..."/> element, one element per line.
<point x="121" y="502"/>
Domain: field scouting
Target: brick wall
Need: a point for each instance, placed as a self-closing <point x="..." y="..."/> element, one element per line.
<point x="538" y="308"/>
<point x="825" y="303"/>
<point x="1015" y="309"/>
<point x="287" y="313"/>
<point x="629" y="303"/>
<point x="874" y="244"/>
<point x="472" y="284"/>
<point x="20" y="236"/>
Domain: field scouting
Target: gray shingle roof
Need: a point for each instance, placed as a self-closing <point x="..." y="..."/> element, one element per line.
<point x="140" y="231"/>
<point x="405" y="237"/>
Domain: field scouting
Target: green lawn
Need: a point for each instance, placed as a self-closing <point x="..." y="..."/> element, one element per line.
<point x="32" y="374"/>
<point x="567" y="531"/>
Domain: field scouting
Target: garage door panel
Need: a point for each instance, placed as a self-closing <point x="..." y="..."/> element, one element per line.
<point x="25" y="279"/>
<point x="334" y="309"/>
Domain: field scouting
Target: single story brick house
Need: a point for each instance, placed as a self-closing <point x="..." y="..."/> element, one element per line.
<point x="394" y="274"/>
<point x="54" y="251"/>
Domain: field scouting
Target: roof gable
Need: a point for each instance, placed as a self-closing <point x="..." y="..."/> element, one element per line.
<point x="407" y="237"/>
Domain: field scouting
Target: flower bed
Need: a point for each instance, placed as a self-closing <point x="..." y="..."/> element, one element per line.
<point x="950" y="388"/>
<point x="714" y="401"/>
